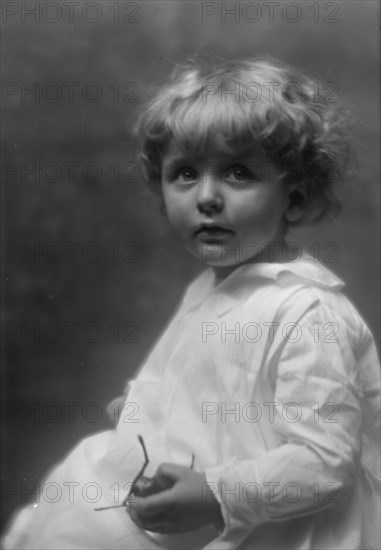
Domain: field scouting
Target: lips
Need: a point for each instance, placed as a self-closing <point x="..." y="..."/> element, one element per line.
<point x="212" y="230"/>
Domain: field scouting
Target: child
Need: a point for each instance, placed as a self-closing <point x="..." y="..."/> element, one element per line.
<point x="266" y="374"/>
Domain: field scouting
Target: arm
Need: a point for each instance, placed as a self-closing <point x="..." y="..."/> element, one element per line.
<point x="317" y="417"/>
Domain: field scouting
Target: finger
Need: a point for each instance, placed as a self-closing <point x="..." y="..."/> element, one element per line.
<point x="153" y="504"/>
<point x="160" y="528"/>
<point x="166" y="528"/>
<point x="158" y="524"/>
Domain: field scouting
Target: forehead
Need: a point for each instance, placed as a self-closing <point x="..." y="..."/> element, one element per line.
<point x="177" y="152"/>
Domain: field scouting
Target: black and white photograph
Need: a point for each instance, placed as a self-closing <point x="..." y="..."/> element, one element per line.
<point x="190" y="275"/>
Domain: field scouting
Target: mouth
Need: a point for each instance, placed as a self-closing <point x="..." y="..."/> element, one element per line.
<point x="216" y="231"/>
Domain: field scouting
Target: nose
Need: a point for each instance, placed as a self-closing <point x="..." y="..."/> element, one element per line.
<point x="209" y="196"/>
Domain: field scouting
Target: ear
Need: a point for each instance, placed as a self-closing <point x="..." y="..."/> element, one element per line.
<point x="297" y="201"/>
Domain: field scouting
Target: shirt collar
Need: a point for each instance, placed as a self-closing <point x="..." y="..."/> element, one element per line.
<point x="239" y="285"/>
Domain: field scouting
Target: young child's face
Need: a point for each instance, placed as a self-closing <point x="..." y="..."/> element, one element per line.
<point x="227" y="208"/>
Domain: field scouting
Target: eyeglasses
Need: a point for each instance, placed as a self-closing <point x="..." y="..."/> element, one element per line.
<point x="138" y="476"/>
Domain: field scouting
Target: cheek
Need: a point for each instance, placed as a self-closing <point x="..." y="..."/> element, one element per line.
<point x="263" y="207"/>
<point x="175" y="210"/>
<point x="167" y="201"/>
<point x="260" y="213"/>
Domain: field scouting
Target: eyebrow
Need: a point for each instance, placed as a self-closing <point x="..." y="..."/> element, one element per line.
<point x="176" y="162"/>
<point x="250" y="159"/>
<point x="253" y="154"/>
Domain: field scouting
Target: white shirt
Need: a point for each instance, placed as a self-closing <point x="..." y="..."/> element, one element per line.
<point x="271" y="378"/>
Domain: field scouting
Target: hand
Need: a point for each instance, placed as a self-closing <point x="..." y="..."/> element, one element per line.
<point x="187" y="505"/>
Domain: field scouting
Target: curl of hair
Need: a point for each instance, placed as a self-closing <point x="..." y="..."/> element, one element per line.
<point x="285" y="113"/>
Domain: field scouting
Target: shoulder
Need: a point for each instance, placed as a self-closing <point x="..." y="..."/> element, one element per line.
<point x="324" y="302"/>
<point x="325" y="326"/>
<point x="306" y="292"/>
<point x="299" y="286"/>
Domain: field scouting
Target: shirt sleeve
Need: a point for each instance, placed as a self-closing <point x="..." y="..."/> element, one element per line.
<point x="316" y="415"/>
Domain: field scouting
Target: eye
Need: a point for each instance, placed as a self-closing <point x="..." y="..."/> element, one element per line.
<point x="185" y="175"/>
<point x="239" y="174"/>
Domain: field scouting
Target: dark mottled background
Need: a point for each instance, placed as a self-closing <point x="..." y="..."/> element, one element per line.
<point x="87" y="191"/>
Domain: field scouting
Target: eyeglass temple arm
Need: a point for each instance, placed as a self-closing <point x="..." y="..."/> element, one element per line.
<point x="141" y="472"/>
